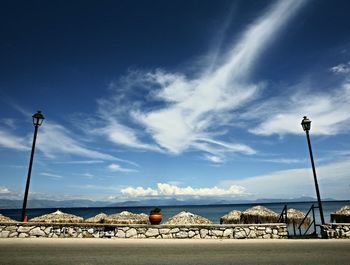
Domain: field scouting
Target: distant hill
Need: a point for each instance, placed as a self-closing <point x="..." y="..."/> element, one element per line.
<point x="17" y="204"/>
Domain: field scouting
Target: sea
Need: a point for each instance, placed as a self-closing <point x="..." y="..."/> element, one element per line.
<point x="211" y="212"/>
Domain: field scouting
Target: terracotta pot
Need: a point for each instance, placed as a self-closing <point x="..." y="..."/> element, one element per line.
<point x="155" y="218"/>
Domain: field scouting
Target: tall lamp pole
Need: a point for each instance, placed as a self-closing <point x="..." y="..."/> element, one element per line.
<point x="37" y="121"/>
<point x="306" y="124"/>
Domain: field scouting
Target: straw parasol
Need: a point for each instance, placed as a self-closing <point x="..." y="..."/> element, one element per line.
<point x="58" y="217"/>
<point x="187" y="218"/>
<point x="233" y="217"/>
<point x="295" y="217"/>
<point x="5" y="219"/>
<point x="100" y="218"/>
<point x="259" y="214"/>
<point x="126" y="217"/>
<point x="342" y="215"/>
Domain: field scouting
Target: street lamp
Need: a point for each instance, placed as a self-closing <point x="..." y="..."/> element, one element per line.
<point x="38" y="119"/>
<point x="306" y="124"/>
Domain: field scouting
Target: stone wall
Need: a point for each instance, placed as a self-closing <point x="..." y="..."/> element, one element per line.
<point x="336" y="230"/>
<point x="22" y="230"/>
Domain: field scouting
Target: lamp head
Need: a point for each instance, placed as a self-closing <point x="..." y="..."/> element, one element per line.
<point x="38" y="118"/>
<point x="306" y="124"/>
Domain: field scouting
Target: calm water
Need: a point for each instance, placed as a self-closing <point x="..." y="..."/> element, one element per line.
<point x="212" y="212"/>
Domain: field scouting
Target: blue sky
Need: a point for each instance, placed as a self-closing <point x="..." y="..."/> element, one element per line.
<point x="180" y="99"/>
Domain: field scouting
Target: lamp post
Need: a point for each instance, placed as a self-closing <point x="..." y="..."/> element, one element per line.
<point x="37" y="121"/>
<point x="306" y="124"/>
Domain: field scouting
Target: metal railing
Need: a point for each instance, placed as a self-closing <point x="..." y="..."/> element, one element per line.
<point x="283" y="216"/>
<point x="312" y="223"/>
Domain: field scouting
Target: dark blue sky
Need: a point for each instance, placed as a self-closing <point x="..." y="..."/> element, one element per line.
<point x="197" y="94"/>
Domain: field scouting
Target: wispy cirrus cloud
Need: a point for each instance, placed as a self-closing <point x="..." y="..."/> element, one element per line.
<point x="11" y="141"/>
<point x="52" y="175"/>
<point x="190" y="113"/>
<point x="334" y="182"/>
<point x="56" y="140"/>
<point x="166" y="189"/>
<point x="116" y="167"/>
<point x="330" y="111"/>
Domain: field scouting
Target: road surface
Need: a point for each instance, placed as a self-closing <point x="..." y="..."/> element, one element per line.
<point x="173" y="252"/>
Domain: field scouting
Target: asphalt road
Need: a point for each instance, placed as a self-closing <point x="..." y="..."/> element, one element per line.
<point x="134" y="252"/>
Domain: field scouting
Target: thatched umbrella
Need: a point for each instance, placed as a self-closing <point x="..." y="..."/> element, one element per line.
<point x="58" y="217"/>
<point x="259" y="214"/>
<point x="100" y="218"/>
<point x="126" y="217"/>
<point x="295" y="217"/>
<point x="187" y="218"/>
<point x="233" y="217"/>
<point x="5" y="219"/>
<point x="342" y="215"/>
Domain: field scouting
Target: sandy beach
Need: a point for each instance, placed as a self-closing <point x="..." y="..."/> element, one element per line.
<point x="155" y="251"/>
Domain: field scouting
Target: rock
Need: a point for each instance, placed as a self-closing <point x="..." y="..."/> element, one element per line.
<point x="240" y="235"/>
<point x="120" y="234"/>
<point x="90" y="230"/>
<point x="164" y="231"/>
<point x="268" y="230"/>
<point x="204" y="232"/>
<point x="191" y="234"/>
<point x="13" y="234"/>
<point x="217" y="233"/>
<point x="252" y="234"/>
<point x="131" y="233"/>
<point x="24" y="229"/>
<point x="22" y="235"/>
<point x="182" y="234"/>
<point x="48" y="230"/>
<point x="174" y="230"/>
<point x="36" y="232"/>
<point x="152" y="232"/>
<point x="228" y="233"/>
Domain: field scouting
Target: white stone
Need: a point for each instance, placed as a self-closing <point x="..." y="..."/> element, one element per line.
<point x="167" y="236"/>
<point x="228" y="232"/>
<point x="24" y="229"/>
<point x="196" y="236"/>
<point x="174" y="230"/>
<point x="22" y="235"/>
<point x="275" y="231"/>
<point x="268" y="230"/>
<point x="164" y="231"/>
<point x="36" y="232"/>
<point x="204" y="232"/>
<point x="48" y="230"/>
<point x="120" y="234"/>
<point x="131" y="233"/>
<point x="267" y="236"/>
<point x="217" y="233"/>
<point x="252" y="234"/>
<point x="152" y="232"/>
<point x="191" y="234"/>
<point x="182" y="234"/>
<point x="240" y="235"/>
<point x="4" y="233"/>
<point x="13" y="234"/>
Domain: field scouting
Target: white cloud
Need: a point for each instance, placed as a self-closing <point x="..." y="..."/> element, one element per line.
<point x="333" y="178"/>
<point x="341" y="68"/>
<point x="4" y="190"/>
<point x="192" y="109"/>
<point x="166" y="189"/>
<point x="55" y="140"/>
<point x="329" y="111"/>
<point x="51" y="175"/>
<point x="81" y="162"/>
<point x="10" y="141"/>
<point x="116" y="167"/>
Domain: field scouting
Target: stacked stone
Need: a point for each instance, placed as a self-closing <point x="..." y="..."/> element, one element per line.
<point x="145" y="231"/>
<point x="336" y="230"/>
